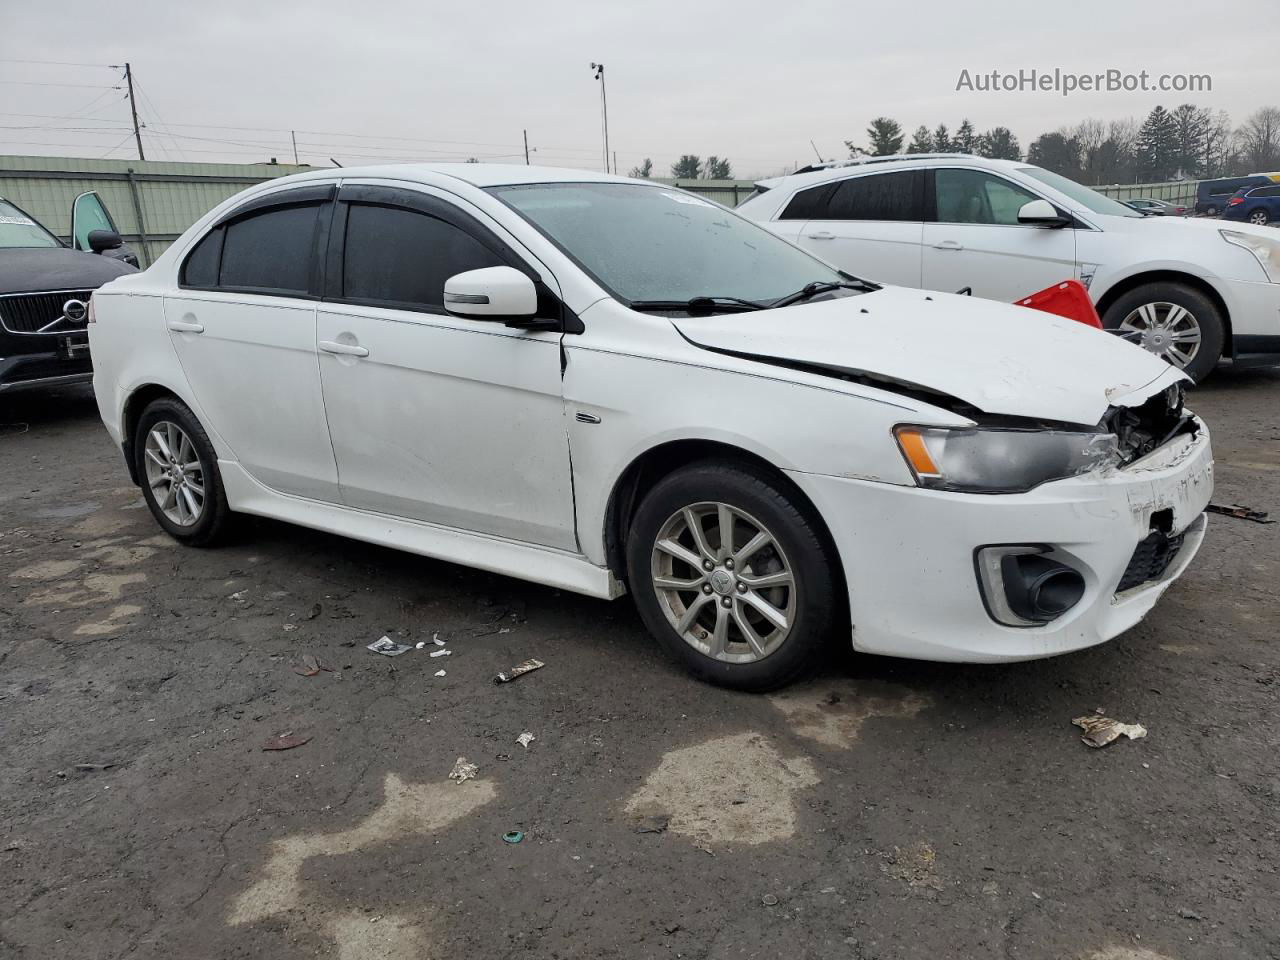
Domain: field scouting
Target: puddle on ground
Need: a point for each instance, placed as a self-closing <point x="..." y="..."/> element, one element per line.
<point x="408" y="810"/>
<point x="736" y="789"/>
<point x="363" y="936"/>
<point x="833" y="713"/>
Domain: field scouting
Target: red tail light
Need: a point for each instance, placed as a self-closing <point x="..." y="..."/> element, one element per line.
<point x="1234" y="200"/>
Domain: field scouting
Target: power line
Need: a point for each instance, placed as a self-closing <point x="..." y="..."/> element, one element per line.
<point x="62" y="63"/>
<point x="43" y="83"/>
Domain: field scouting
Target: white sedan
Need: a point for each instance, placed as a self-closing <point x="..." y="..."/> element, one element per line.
<point x="607" y="385"/>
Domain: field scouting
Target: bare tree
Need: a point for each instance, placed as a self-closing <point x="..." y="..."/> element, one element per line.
<point x="1089" y="135"/>
<point x="1220" y="155"/>
<point x="1260" y="139"/>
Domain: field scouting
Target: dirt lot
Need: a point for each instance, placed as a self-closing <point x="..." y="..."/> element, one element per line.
<point x="888" y="810"/>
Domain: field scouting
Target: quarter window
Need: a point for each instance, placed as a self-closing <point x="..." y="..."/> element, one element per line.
<point x="808" y="204"/>
<point x="971" y="196"/>
<point x="403" y="257"/>
<point x="270" y="251"/>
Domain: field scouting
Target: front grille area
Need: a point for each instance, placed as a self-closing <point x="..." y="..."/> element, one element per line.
<point x="40" y="312"/>
<point x="1150" y="560"/>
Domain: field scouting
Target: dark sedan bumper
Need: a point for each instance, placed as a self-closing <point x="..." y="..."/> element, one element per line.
<point x="31" y="362"/>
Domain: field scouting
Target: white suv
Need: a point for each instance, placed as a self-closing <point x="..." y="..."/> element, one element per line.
<point x="597" y="383"/>
<point x="1190" y="291"/>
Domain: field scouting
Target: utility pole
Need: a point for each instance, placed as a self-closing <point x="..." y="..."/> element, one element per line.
<point x="293" y="135"/>
<point x="133" y="108"/>
<point x="526" y="147"/>
<point x="604" y="111"/>
<point x="615" y="161"/>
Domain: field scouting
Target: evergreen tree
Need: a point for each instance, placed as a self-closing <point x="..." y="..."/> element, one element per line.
<point x="717" y="168"/>
<point x="885" y="136"/>
<point x="942" y="140"/>
<point x="966" y="138"/>
<point x="1157" y="144"/>
<point x="1191" y="130"/>
<point x="644" y="171"/>
<point x="999" y="143"/>
<point x="1057" y="152"/>
<point x="921" y="141"/>
<point x="688" y="167"/>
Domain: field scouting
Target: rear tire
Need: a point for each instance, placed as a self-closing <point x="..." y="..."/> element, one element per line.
<point x="1211" y="211"/>
<point x="1159" y="316"/>
<point x="178" y="470"/>
<point x="775" y="569"/>
<point x="1259" y="218"/>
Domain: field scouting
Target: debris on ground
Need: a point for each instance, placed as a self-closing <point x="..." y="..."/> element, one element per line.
<point x="917" y="866"/>
<point x="519" y="670"/>
<point x="314" y="612"/>
<point x="513" y="836"/>
<point x="93" y="767"/>
<point x="525" y="739"/>
<point x="439" y="673"/>
<point x="1100" y="731"/>
<point x="310" y="666"/>
<point x="1240" y="513"/>
<point x="463" y="770"/>
<point x="654" y="824"/>
<point x="388" y="647"/>
<point x="286" y="741"/>
<point x="769" y="900"/>
<point x="420" y="644"/>
<point x="440" y="653"/>
<point x="435" y="638"/>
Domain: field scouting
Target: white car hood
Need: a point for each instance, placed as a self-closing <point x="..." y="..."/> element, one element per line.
<point x="996" y="357"/>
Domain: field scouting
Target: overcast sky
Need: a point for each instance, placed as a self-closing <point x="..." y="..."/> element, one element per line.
<point x="752" y="81"/>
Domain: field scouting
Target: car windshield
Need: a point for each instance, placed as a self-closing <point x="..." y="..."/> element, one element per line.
<point x="19" y="230"/>
<point x="654" y="244"/>
<point x="1081" y="194"/>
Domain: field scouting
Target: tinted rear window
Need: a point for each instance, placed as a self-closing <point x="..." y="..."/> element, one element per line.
<point x="881" y="196"/>
<point x="404" y="257"/>
<point x="271" y="250"/>
<point x="808" y="204"/>
<point x="201" y="268"/>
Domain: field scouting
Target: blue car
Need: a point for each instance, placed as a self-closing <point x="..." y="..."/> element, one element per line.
<point x="1260" y="205"/>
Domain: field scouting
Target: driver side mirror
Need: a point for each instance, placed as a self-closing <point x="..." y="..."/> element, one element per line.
<point x="1041" y="213"/>
<point x="103" y="240"/>
<point x="492" y="293"/>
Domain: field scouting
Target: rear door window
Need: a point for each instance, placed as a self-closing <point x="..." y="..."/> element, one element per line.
<point x="880" y="196"/>
<point x="402" y="257"/>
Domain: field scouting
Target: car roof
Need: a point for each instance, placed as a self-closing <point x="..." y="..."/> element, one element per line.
<point x="476" y="174"/>
<point x="878" y="164"/>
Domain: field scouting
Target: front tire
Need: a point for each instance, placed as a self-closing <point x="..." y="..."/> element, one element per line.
<point x="731" y="573"/>
<point x="1176" y="322"/>
<point x="178" y="469"/>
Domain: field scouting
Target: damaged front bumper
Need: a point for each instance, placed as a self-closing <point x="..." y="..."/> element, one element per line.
<point x="909" y="553"/>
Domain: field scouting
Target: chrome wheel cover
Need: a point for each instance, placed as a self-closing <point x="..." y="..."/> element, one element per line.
<point x="1260" y="218"/>
<point x="1168" y="330"/>
<point x="724" y="583"/>
<point x="174" y="473"/>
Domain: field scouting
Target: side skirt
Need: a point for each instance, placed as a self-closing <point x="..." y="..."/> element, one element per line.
<point x="525" y="561"/>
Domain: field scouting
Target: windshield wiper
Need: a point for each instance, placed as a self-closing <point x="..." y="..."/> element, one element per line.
<point x="700" y="305"/>
<point x="810" y="290"/>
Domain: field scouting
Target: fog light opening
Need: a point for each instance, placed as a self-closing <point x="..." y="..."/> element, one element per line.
<point x="1022" y="587"/>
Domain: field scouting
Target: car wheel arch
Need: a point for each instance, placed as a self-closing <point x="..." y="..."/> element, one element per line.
<point x="660" y="461"/>
<point x="141" y="397"/>
<point x="1136" y="280"/>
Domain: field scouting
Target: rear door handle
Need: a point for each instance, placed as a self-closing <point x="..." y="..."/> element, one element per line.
<point x="821" y="235"/>
<point x="186" y="326"/>
<point x="948" y="245"/>
<point x="345" y="349"/>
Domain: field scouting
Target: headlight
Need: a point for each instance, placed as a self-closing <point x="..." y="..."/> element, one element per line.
<point x="982" y="460"/>
<point x="1266" y="250"/>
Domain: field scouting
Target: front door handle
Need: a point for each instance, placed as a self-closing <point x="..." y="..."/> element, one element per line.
<point x="344" y="349"/>
<point x="948" y="245"/>
<point x="186" y="326"/>
<point x="821" y="235"/>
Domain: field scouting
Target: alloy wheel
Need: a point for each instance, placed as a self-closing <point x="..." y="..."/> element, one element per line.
<point x="1168" y="330"/>
<point x="724" y="582"/>
<point x="174" y="473"/>
<point x="1259" y="217"/>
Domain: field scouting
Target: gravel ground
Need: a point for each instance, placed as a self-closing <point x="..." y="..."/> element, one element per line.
<point x="888" y="809"/>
